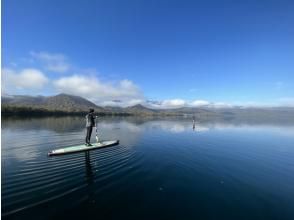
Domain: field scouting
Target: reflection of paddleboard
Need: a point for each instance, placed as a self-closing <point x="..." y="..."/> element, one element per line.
<point x="82" y="147"/>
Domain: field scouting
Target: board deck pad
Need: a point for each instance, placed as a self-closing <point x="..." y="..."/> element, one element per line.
<point x="82" y="147"/>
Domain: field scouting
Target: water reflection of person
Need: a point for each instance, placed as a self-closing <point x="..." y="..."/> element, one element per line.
<point x="90" y="179"/>
<point x="89" y="170"/>
<point x="194" y="123"/>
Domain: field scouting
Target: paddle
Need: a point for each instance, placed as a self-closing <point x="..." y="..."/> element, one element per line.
<point x="96" y="125"/>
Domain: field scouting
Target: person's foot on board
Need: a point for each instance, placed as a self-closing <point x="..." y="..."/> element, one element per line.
<point x="89" y="145"/>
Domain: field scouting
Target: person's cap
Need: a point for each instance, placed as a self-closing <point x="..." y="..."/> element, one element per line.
<point x="91" y="110"/>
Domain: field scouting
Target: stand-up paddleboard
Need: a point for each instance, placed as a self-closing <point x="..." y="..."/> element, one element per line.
<point x="82" y="147"/>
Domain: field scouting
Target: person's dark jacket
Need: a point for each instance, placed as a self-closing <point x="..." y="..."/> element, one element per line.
<point x="90" y="120"/>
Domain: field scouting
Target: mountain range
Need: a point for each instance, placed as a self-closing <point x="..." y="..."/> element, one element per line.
<point x="64" y="103"/>
<point x="69" y="104"/>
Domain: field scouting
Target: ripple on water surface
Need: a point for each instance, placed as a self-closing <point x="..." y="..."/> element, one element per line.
<point x="161" y="169"/>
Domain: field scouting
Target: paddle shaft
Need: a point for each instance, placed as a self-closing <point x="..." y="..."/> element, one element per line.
<point x="96" y="125"/>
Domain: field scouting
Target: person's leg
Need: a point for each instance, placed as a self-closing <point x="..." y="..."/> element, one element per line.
<point x="88" y="135"/>
<point x="90" y="132"/>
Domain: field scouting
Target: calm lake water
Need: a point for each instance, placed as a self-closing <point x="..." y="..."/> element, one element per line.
<point x="162" y="169"/>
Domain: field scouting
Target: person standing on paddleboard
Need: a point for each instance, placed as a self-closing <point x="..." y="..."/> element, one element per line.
<point x="194" y="121"/>
<point x="90" y="123"/>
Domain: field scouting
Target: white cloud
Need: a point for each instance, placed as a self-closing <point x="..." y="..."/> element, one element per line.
<point x="221" y="105"/>
<point x="98" y="90"/>
<point x="287" y="101"/>
<point x="197" y="103"/>
<point x="205" y="103"/>
<point x="168" y="103"/>
<point x="178" y="103"/>
<point x="171" y="103"/>
<point x="24" y="79"/>
<point x="135" y="102"/>
<point x="52" y="62"/>
<point x="124" y="92"/>
<point x="125" y="103"/>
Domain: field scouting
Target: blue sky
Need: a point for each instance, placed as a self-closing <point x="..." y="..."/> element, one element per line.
<point x="174" y="52"/>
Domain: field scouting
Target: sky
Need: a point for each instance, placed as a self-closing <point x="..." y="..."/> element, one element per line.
<point x="161" y="53"/>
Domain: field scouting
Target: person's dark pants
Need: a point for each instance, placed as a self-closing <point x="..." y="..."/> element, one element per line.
<point x="88" y="136"/>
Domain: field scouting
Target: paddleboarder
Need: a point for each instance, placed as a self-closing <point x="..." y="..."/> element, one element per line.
<point x="194" y="122"/>
<point x="90" y="123"/>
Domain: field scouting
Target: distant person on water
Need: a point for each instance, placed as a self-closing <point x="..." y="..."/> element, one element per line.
<point x="90" y="123"/>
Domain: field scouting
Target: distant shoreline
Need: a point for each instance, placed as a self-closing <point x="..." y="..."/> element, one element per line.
<point x="238" y="117"/>
<point x="29" y="111"/>
<point x="24" y="111"/>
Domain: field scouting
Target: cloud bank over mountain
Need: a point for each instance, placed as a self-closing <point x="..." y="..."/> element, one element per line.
<point x="47" y="73"/>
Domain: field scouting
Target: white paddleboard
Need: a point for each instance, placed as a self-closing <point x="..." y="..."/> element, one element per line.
<point x="82" y="147"/>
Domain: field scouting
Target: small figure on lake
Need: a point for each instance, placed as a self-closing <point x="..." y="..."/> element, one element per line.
<point x="194" y="122"/>
<point x="90" y="123"/>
